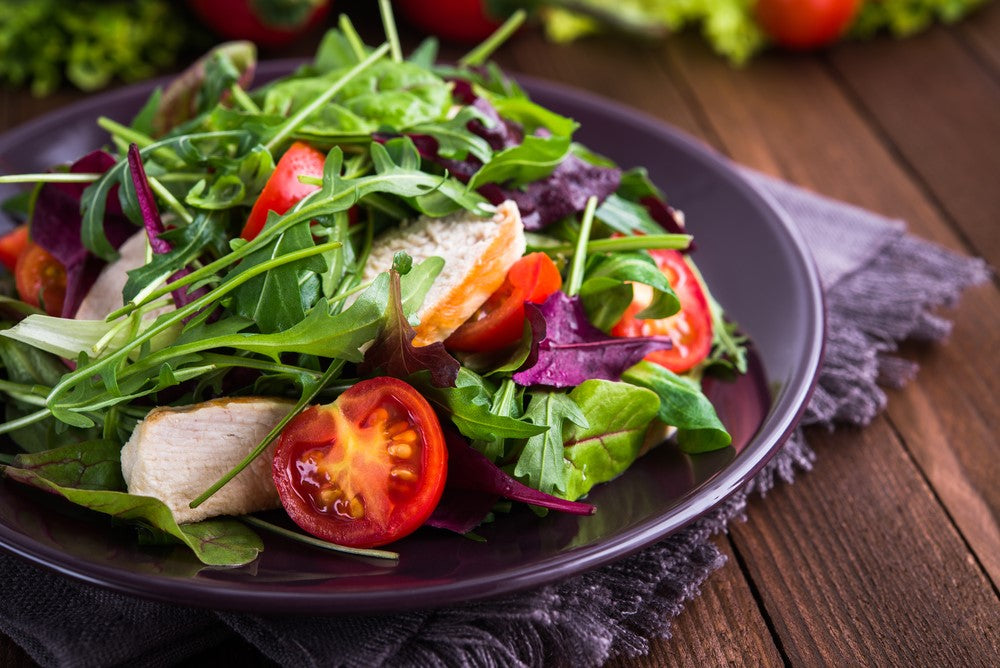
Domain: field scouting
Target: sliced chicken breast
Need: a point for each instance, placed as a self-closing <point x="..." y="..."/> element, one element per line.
<point x="175" y="454"/>
<point x="478" y="252"/>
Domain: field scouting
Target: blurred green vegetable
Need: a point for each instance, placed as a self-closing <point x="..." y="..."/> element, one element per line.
<point x="89" y="42"/>
<point x="728" y="25"/>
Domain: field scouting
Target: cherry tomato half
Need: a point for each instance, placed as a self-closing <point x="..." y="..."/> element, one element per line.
<point x="690" y="329"/>
<point x="283" y="189"/>
<point x="12" y="245"/>
<point x="462" y="21"/>
<point x="365" y="470"/>
<point x="499" y="322"/>
<point x="805" y="24"/>
<point x="40" y="279"/>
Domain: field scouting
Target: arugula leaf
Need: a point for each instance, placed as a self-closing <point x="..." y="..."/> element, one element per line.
<point x="626" y="216"/>
<point x="619" y="414"/>
<point x="506" y="403"/>
<point x="531" y="115"/>
<point x="533" y="159"/>
<point x="683" y="405"/>
<point x="468" y="405"/>
<point x="454" y="139"/>
<point x="541" y="462"/>
<point x="606" y="274"/>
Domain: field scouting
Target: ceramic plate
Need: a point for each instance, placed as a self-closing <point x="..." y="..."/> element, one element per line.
<point x="758" y="268"/>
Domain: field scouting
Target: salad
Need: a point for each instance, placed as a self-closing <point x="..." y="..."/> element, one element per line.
<point x="381" y="293"/>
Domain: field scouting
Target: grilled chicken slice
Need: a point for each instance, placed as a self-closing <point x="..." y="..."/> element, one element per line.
<point x="175" y="454"/>
<point x="478" y="252"/>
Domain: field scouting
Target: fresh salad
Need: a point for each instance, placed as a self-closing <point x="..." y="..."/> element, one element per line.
<point x="381" y="293"/>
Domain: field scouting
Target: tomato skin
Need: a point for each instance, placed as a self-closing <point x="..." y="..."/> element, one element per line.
<point x="283" y="189"/>
<point x="805" y="24"/>
<point x="499" y="322"/>
<point x="239" y="19"/>
<point x="12" y="245"/>
<point x="690" y="329"/>
<point x="462" y="21"/>
<point x="365" y="470"/>
<point x="40" y="279"/>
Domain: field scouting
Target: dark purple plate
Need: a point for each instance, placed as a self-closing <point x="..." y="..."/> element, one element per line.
<point x="758" y="268"/>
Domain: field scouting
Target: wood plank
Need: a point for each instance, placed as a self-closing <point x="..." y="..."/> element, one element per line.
<point x="982" y="33"/>
<point x="722" y="627"/>
<point x="857" y="565"/>
<point x="941" y="110"/>
<point x="755" y="109"/>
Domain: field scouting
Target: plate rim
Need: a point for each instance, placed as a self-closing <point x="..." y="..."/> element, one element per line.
<point x="222" y="595"/>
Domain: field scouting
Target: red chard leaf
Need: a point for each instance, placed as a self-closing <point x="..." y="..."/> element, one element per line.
<point x="393" y="350"/>
<point x="56" y="223"/>
<point x="570" y="349"/>
<point x="475" y="484"/>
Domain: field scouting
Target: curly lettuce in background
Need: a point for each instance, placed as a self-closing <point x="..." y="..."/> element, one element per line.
<point x="728" y="25"/>
<point x="89" y="43"/>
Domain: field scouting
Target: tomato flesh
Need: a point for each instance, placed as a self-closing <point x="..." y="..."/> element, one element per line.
<point x="365" y="470"/>
<point x="12" y="245"/>
<point x="462" y="21"/>
<point x="40" y="279"/>
<point x="805" y="24"/>
<point x="499" y="322"/>
<point x="283" y="189"/>
<point x="690" y="329"/>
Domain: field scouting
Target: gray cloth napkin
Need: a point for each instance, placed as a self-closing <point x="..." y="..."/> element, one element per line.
<point x="880" y="286"/>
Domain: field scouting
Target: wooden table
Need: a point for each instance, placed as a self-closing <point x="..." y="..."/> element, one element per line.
<point x="889" y="552"/>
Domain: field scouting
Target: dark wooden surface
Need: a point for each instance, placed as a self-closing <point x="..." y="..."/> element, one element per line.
<point x="889" y="552"/>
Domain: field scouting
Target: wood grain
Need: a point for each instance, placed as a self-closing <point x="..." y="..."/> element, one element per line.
<point x="979" y="34"/>
<point x="940" y="109"/>
<point x="835" y="560"/>
<point x="723" y="628"/>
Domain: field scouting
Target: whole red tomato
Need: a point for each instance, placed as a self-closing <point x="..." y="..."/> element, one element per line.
<point x="463" y="21"/>
<point x="805" y="24"/>
<point x="266" y="22"/>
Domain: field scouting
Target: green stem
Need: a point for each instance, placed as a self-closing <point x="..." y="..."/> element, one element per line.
<point x="180" y="314"/>
<point x="575" y="278"/>
<point x="622" y="244"/>
<point x="242" y="99"/>
<point x="347" y="28"/>
<point x="316" y="542"/>
<point x="479" y="54"/>
<point x="303" y="401"/>
<point x="289" y="126"/>
<point x="56" y="177"/>
<point x="389" y="25"/>
<point x="170" y="200"/>
<point x="30" y="418"/>
<point x="124" y="133"/>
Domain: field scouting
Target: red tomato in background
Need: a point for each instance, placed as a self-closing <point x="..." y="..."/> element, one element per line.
<point x="283" y="189"/>
<point x="463" y="21"/>
<point x="265" y="22"/>
<point x="499" y="322"/>
<point x="365" y="470"/>
<point x="40" y="279"/>
<point x="12" y="245"/>
<point x="805" y="24"/>
<point x="690" y="329"/>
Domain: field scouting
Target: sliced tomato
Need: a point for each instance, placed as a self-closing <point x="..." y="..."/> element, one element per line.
<point x="283" y="189"/>
<point x="499" y="322"/>
<point x="365" y="470"/>
<point x="40" y="279"/>
<point x="690" y="329"/>
<point x="12" y="244"/>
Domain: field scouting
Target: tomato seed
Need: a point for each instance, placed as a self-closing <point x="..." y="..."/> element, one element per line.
<point x="403" y="473"/>
<point x="377" y="416"/>
<point x="409" y="436"/>
<point x="400" y="450"/>
<point x="356" y="508"/>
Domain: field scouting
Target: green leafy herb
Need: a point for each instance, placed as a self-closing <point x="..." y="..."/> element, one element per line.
<point x="541" y="464"/>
